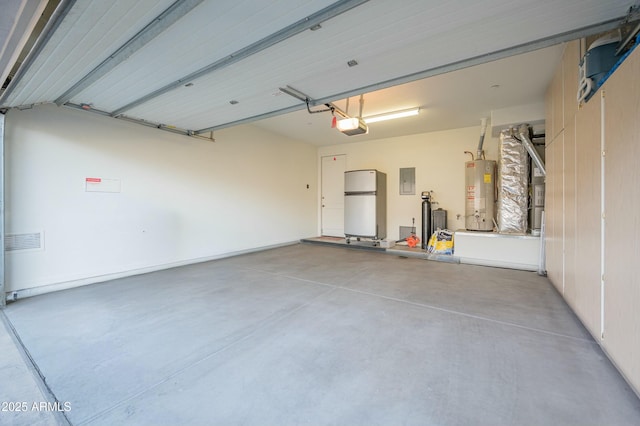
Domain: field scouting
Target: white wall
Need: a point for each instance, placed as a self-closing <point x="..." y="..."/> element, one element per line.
<point x="182" y="199"/>
<point x="439" y="161"/>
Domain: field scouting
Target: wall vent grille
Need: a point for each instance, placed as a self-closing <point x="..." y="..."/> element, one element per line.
<point x="406" y="231"/>
<point x="29" y="241"/>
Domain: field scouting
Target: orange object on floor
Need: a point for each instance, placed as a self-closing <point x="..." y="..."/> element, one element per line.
<point x="412" y="241"/>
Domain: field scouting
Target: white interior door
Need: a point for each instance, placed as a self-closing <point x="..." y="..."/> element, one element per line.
<point x="332" y="216"/>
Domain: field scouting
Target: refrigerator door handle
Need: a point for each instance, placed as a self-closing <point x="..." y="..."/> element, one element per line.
<point x="349" y="194"/>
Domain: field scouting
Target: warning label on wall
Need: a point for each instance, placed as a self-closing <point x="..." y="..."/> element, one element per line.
<point x="95" y="184"/>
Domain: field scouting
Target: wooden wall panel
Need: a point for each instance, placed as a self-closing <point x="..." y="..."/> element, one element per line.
<point x="586" y="298"/>
<point x="554" y="106"/>
<point x="549" y="208"/>
<point x="570" y="209"/>
<point x="570" y="62"/>
<point x="574" y="206"/>
<point x="554" y="213"/>
<point x="622" y="219"/>
<point x="548" y="115"/>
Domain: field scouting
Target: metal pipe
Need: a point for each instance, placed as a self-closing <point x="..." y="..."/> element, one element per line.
<point x="338" y="111"/>
<point x="528" y="145"/>
<point x="308" y="101"/>
<point x="483" y="130"/>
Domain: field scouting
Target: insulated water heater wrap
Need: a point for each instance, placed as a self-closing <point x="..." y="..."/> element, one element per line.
<point x="480" y="177"/>
<point x="513" y="184"/>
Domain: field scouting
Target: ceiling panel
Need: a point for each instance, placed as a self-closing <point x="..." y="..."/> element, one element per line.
<point x="17" y="20"/>
<point x="211" y="31"/>
<point x="388" y="49"/>
<point x="89" y="33"/>
<point x="393" y="41"/>
<point x="208" y="100"/>
<point x="388" y="42"/>
<point x="447" y="101"/>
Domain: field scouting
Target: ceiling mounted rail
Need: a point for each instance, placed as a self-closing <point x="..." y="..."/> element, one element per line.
<point x="165" y="127"/>
<point x="308" y="102"/>
<point x="304" y="24"/>
<point x="54" y="22"/>
<point x="163" y="21"/>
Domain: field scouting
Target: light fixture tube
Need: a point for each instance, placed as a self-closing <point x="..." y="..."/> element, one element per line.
<point x="391" y="115"/>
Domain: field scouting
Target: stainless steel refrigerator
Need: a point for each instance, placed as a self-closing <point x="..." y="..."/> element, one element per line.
<point x="365" y="204"/>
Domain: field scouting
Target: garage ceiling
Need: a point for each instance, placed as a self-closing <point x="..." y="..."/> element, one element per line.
<point x="194" y="66"/>
<point x="450" y="100"/>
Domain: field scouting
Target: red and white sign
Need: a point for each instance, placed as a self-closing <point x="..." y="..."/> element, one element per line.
<point x="96" y="184"/>
<point x="471" y="192"/>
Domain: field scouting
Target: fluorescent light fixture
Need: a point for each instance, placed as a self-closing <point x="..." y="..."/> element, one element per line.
<point x="392" y="115"/>
<point x="352" y="126"/>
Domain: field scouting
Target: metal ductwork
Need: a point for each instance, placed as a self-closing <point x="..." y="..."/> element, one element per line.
<point x="523" y="131"/>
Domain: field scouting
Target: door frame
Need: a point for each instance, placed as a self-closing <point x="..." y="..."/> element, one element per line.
<point x="320" y="157"/>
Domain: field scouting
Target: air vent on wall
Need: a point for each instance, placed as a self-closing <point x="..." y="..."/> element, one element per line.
<point x="30" y="241"/>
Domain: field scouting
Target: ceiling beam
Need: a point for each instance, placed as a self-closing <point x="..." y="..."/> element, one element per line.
<point x="304" y="24"/>
<point x="163" y="21"/>
<point x="54" y="22"/>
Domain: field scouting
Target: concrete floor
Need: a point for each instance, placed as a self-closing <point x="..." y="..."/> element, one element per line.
<point x="310" y="334"/>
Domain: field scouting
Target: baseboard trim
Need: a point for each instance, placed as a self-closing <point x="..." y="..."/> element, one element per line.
<point x="12" y="296"/>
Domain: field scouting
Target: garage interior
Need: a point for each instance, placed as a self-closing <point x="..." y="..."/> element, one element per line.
<point x="168" y="172"/>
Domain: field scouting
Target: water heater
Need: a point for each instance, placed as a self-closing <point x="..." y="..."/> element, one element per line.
<point x="480" y="178"/>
